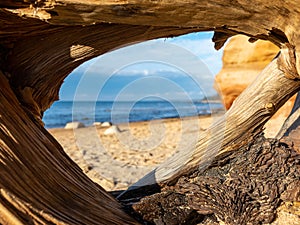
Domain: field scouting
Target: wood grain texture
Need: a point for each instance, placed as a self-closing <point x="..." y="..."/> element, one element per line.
<point x="39" y="183"/>
<point x="260" y="20"/>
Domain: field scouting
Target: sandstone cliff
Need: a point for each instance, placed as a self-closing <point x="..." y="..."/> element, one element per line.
<point x="242" y="62"/>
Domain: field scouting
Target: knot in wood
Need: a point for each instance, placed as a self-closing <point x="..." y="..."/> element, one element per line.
<point x="79" y="52"/>
<point x="270" y="107"/>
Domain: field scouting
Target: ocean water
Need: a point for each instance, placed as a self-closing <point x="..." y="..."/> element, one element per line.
<point x="62" y="112"/>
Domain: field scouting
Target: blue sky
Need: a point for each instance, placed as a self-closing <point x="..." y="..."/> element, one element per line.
<point x="180" y="68"/>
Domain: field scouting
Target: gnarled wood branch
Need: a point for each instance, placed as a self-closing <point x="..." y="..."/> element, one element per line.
<point x="246" y="117"/>
<point x="58" y="50"/>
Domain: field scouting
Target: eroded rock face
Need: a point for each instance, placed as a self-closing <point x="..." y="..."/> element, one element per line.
<point x="242" y="62"/>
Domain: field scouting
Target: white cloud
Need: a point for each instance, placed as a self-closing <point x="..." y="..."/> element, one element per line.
<point x="172" y="59"/>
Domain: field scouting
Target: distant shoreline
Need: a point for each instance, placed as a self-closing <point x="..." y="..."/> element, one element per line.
<point x="87" y="113"/>
<point x="203" y="116"/>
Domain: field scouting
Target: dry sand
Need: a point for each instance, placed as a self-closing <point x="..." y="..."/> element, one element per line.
<point x="116" y="161"/>
<point x="119" y="160"/>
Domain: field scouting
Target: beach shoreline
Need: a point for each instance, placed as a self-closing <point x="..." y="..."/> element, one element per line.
<point x="216" y="114"/>
<point x="117" y="160"/>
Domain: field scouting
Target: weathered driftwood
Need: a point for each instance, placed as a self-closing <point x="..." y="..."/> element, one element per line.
<point x="246" y="117"/>
<point x="38" y="182"/>
<point x="57" y="50"/>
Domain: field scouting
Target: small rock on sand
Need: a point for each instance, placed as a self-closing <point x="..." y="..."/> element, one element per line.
<point x="106" y="124"/>
<point x="97" y="123"/>
<point x="112" y="130"/>
<point x="74" y="125"/>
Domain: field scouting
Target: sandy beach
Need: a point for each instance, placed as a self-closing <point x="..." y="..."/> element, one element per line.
<point x="118" y="160"/>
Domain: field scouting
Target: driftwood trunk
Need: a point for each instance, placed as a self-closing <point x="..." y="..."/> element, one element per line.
<point x="39" y="184"/>
<point x="246" y="118"/>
